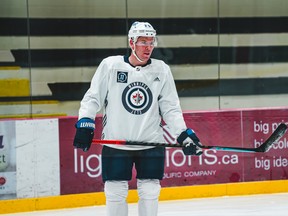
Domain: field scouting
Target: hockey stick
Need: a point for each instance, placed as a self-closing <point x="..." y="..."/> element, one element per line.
<point x="275" y="136"/>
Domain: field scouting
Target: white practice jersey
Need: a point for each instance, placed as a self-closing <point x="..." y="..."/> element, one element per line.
<point x="135" y="100"/>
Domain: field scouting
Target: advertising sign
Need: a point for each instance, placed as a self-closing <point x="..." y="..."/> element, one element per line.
<point x="81" y="171"/>
<point x="7" y="160"/>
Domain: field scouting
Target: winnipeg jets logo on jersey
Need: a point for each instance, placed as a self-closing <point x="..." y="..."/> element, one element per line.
<point x="137" y="98"/>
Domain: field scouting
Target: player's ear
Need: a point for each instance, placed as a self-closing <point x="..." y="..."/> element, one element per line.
<point x="131" y="44"/>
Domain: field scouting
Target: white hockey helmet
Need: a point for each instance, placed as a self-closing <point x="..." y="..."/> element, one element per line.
<point x="141" y="29"/>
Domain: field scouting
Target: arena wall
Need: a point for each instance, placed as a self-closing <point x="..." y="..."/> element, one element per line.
<point x="223" y="53"/>
<point x="40" y="169"/>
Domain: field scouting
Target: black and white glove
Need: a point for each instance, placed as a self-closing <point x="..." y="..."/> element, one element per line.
<point x="191" y="142"/>
<point x="84" y="133"/>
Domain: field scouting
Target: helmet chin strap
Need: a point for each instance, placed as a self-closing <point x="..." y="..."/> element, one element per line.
<point x="134" y="53"/>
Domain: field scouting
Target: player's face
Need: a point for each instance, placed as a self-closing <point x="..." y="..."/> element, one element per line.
<point x="144" y="47"/>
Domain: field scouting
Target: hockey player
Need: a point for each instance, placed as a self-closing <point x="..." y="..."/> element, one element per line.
<point x="136" y="92"/>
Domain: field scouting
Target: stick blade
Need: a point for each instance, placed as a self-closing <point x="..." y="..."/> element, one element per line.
<point x="275" y="136"/>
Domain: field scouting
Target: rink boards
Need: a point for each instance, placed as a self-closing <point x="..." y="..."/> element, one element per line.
<point x="40" y="169"/>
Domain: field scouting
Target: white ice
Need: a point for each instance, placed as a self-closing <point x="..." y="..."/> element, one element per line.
<point x="252" y="205"/>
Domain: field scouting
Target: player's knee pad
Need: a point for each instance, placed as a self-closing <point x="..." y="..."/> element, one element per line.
<point x="116" y="191"/>
<point x="148" y="188"/>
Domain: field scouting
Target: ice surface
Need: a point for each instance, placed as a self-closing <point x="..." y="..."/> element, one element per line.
<point x="252" y="205"/>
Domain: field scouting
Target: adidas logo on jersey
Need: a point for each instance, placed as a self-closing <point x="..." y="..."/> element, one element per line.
<point x="157" y="79"/>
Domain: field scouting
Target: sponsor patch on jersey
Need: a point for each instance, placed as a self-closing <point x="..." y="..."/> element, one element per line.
<point x="137" y="98"/>
<point x="122" y="77"/>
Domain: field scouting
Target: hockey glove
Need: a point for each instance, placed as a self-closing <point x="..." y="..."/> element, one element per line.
<point x="84" y="133"/>
<point x="191" y="142"/>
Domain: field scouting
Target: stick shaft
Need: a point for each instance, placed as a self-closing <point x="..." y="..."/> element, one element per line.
<point x="123" y="142"/>
<point x="275" y="136"/>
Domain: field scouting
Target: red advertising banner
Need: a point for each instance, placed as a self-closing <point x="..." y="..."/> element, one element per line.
<point x="81" y="171"/>
<point x="257" y="126"/>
